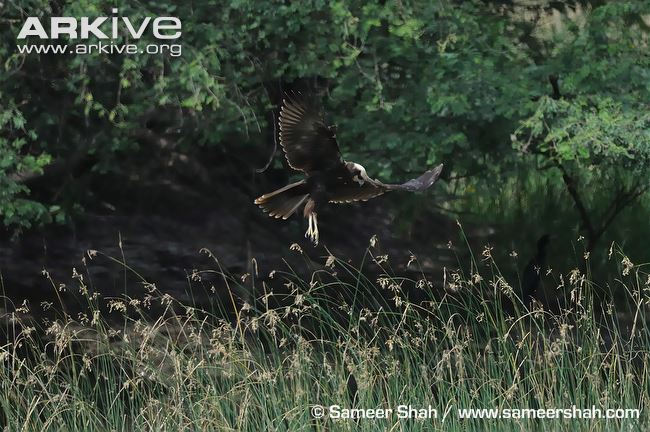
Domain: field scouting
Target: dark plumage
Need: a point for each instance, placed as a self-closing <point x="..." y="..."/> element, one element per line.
<point x="531" y="277"/>
<point x="310" y="146"/>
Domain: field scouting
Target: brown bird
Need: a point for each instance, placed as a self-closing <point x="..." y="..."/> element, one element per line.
<point x="310" y="146"/>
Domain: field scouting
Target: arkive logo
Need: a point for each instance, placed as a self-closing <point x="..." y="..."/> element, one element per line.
<point x="163" y="28"/>
<point x="110" y="35"/>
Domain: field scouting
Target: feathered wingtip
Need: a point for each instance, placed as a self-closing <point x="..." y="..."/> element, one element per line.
<point x="296" y="97"/>
<point x="423" y="182"/>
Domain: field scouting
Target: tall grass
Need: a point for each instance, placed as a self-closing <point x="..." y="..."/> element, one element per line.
<point x="150" y="362"/>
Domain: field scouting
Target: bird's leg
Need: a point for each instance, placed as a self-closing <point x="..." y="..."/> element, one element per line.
<point x="309" y="231"/>
<point x="312" y="231"/>
<point x="315" y="232"/>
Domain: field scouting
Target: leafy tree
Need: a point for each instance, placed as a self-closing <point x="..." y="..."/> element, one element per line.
<point x="17" y="208"/>
<point x="597" y="133"/>
<point x="408" y="84"/>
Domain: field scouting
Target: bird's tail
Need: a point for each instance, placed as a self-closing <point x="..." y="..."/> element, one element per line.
<point x="283" y="202"/>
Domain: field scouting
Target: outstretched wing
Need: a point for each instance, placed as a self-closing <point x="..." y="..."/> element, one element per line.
<point x="350" y="188"/>
<point x="421" y="183"/>
<point x="308" y="143"/>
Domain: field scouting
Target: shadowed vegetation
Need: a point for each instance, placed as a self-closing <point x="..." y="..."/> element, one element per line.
<point x="148" y="361"/>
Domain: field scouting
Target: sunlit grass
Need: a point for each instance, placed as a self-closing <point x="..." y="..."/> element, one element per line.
<point x="149" y="362"/>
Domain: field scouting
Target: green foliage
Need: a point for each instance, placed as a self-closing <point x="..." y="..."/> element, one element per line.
<point x="576" y="130"/>
<point x="601" y="59"/>
<point x="409" y="84"/>
<point x="15" y="158"/>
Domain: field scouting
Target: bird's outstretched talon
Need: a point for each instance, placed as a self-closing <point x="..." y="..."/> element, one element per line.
<point x="315" y="230"/>
<point x="312" y="231"/>
<point x="311" y="235"/>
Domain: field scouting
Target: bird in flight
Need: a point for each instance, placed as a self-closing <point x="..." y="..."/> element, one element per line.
<point x="310" y="146"/>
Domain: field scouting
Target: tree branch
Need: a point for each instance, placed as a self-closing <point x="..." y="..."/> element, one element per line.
<point x="577" y="200"/>
<point x="623" y="200"/>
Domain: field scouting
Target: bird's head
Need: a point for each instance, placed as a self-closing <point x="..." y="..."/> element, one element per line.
<point x="358" y="172"/>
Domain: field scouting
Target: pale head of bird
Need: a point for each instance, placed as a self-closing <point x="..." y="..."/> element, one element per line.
<point x="358" y="172"/>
